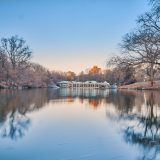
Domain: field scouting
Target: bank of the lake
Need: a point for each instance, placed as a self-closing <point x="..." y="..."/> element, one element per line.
<point x="142" y="86"/>
<point x="12" y="85"/>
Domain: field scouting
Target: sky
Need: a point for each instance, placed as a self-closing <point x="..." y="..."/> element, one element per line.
<point x="70" y="34"/>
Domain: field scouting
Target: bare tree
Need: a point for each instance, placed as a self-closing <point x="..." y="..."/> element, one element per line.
<point x="3" y="66"/>
<point x="155" y="3"/>
<point x="16" y="49"/>
<point x="151" y="20"/>
<point x="122" y="69"/>
<point x="143" y="48"/>
<point x="2" y="58"/>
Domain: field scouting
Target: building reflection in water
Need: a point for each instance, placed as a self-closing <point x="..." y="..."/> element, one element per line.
<point x="14" y="106"/>
<point x="92" y="97"/>
<point x="137" y="113"/>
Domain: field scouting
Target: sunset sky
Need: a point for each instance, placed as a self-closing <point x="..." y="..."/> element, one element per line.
<point x="70" y="34"/>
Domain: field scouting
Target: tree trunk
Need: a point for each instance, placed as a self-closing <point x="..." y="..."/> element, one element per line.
<point x="152" y="75"/>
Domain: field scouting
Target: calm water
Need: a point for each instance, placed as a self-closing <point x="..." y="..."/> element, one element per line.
<point x="66" y="124"/>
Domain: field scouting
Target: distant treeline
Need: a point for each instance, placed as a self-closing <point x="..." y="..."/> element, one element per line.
<point x="17" y="70"/>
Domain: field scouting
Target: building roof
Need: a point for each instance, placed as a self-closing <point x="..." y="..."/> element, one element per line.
<point x="64" y="82"/>
<point x="86" y="82"/>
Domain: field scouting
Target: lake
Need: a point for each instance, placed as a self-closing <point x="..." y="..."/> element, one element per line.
<point x="79" y="124"/>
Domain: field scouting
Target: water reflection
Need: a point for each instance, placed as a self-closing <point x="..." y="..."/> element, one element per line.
<point x="13" y="108"/>
<point x="92" y="97"/>
<point x="15" y="104"/>
<point x="139" y="113"/>
<point x="136" y="113"/>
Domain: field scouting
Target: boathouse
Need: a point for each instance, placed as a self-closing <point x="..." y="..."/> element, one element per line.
<point x="87" y="84"/>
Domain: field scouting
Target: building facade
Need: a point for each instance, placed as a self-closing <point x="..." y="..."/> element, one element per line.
<point x="87" y="84"/>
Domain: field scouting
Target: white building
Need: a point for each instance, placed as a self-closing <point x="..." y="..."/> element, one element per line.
<point x="87" y="84"/>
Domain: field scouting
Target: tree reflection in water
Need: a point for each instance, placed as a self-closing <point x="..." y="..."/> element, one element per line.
<point x="139" y="113"/>
<point x="15" y="125"/>
<point x="14" y="105"/>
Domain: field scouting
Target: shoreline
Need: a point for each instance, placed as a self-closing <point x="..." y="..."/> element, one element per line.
<point x="141" y="86"/>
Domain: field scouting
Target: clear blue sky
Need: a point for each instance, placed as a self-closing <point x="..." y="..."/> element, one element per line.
<point x="70" y="34"/>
